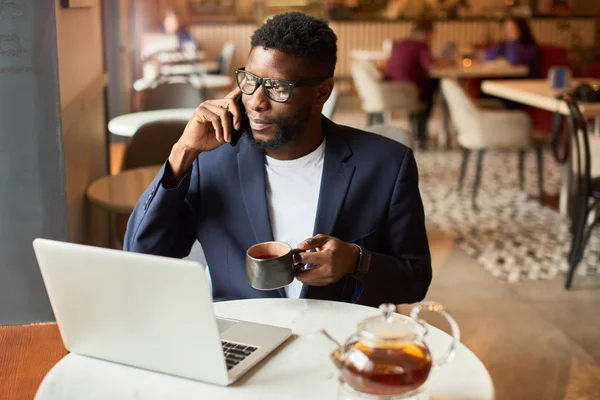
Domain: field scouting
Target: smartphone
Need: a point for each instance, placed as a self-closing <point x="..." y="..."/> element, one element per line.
<point x="236" y="134"/>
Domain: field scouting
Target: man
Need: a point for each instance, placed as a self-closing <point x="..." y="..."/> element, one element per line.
<point x="410" y="61"/>
<point x="349" y="196"/>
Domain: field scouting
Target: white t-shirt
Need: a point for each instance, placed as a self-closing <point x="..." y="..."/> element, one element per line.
<point x="293" y="188"/>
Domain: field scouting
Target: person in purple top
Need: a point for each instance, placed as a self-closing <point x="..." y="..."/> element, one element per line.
<point x="411" y="60"/>
<point x="519" y="47"/>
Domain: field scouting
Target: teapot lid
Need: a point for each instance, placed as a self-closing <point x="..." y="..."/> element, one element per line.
<point x="387" y="327"/>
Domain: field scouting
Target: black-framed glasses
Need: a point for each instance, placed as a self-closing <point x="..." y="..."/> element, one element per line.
<point x="276" y="89"/>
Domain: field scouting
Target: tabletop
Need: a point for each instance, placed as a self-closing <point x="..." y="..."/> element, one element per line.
<point x="191" y="68"/>
<point x="120" y="193"/>
<point x="181" y="56"/>
<point x="27" y="352"/>
<point x="475" y="70"/>
<point x="299" y="369"/>
<point x="128" y="124"/>
<point x="537" y="93"/>
<point x="198" y="80"/>
<point x="479" y="70"/>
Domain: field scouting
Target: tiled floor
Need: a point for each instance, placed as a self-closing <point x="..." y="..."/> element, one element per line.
<point x="537" y="340"/>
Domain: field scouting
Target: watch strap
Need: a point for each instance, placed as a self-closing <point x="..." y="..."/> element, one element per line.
<point x="363" y="263"/>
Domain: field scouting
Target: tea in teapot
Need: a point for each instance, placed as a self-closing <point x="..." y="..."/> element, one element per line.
<point x="387" y="354"/>
<point x="394" y="369"/>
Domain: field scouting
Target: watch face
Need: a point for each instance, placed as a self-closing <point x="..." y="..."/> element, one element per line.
<point x="365" y="262"/>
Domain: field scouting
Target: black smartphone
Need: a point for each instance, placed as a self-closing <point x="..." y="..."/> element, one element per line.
<point x="236" y="134"/>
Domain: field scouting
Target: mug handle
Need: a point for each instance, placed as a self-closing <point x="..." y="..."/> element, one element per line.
<point x="297" y="263"/>
<point x="437" y="307"/>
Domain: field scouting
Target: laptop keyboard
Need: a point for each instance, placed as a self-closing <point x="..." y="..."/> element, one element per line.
<point x="235" y="353"/>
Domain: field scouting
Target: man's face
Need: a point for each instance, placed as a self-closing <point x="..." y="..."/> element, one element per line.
<point x="274" y="124"/>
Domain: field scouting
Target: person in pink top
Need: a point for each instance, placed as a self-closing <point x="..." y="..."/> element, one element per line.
<point x="411" y="60"/>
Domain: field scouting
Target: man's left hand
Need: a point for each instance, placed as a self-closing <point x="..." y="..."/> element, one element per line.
<point x="331" y="260"/>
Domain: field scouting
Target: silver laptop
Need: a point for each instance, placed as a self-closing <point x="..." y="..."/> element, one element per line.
<point x="149" y="312"/>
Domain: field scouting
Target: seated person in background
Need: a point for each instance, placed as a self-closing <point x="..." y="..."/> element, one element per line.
<point x="173" y="25"/>
<point x="519" y="47"/>
<point x="411" y="60"/>
<point x="295" y="177"/>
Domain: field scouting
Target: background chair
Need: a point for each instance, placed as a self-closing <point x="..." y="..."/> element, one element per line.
<point x="151" y="144"/>
<point x="480" y="129"/>
<point x="226" y="57"/>
<point x="330" y="105"/>
<point x="393" y="132"/>
<point x="387" y="45"/>
<point x="178" y="94"/>
<point x="379" y="97"/>
<point x="586" y="203"/>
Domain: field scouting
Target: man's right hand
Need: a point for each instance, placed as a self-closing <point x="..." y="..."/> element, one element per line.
<point x="209" y="128"/>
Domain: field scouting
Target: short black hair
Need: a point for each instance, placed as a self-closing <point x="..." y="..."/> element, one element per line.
<point x="300" y="35"/>
<point x="526" y="36"/>
<point x="423" y="26"/>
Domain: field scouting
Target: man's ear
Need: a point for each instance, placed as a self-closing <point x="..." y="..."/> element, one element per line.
<point x="324" y="91"/>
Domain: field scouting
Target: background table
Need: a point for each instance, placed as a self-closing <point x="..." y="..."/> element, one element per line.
<point x="191" y="68"/>
<point x="479" y="70"/>
<point x="299" y="369"/>
<point x="537" y="93"/>
<point x="128" y="124"/>
<point x="120" y="193"/>
<point x="200" y="81"/>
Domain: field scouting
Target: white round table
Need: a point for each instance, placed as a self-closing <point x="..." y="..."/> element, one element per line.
<point x="299" y="369"/>
<point x="191" y="68"/>
<point x="128" y="124"/>
<point x="200" y="81"/>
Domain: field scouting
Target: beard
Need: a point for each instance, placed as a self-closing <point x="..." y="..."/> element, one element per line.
<point x="287" y="130"/>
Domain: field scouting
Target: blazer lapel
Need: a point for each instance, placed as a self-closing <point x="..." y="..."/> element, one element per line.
<point x="251" y="168"/>
<point x="335" y="180"/>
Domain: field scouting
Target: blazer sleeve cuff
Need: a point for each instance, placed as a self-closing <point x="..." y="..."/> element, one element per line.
<point x="161" y="198"/>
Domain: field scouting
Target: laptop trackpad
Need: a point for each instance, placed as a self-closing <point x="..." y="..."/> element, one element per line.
<point x="225" y="324"/>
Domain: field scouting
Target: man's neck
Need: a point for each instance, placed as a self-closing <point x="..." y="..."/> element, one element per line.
<point x="309" y="142"/>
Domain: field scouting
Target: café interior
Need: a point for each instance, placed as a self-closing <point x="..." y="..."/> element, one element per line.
<point x="95" y="93"/>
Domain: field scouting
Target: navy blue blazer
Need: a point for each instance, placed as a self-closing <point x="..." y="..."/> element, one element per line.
<point x="369" y="195"/>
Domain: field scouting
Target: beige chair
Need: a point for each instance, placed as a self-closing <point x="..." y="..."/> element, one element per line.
<point x="330" y="105"/>
<point x="479" y="129"/>
<point x="226" y="57"/>
<point x="151" y="144"/>
<point x="175" y="93"/>
<point x="396" y="133"/>
<point x="387" y="46"/>
<point x="378" y="97"/>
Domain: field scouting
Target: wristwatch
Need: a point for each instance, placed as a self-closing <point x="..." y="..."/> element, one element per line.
<point x="364" y="262"/>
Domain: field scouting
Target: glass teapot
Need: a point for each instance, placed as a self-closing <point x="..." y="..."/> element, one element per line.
<point x="387" y="354"/>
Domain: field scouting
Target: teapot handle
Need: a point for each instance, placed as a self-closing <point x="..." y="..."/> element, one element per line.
<point x="437" y="307"/>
